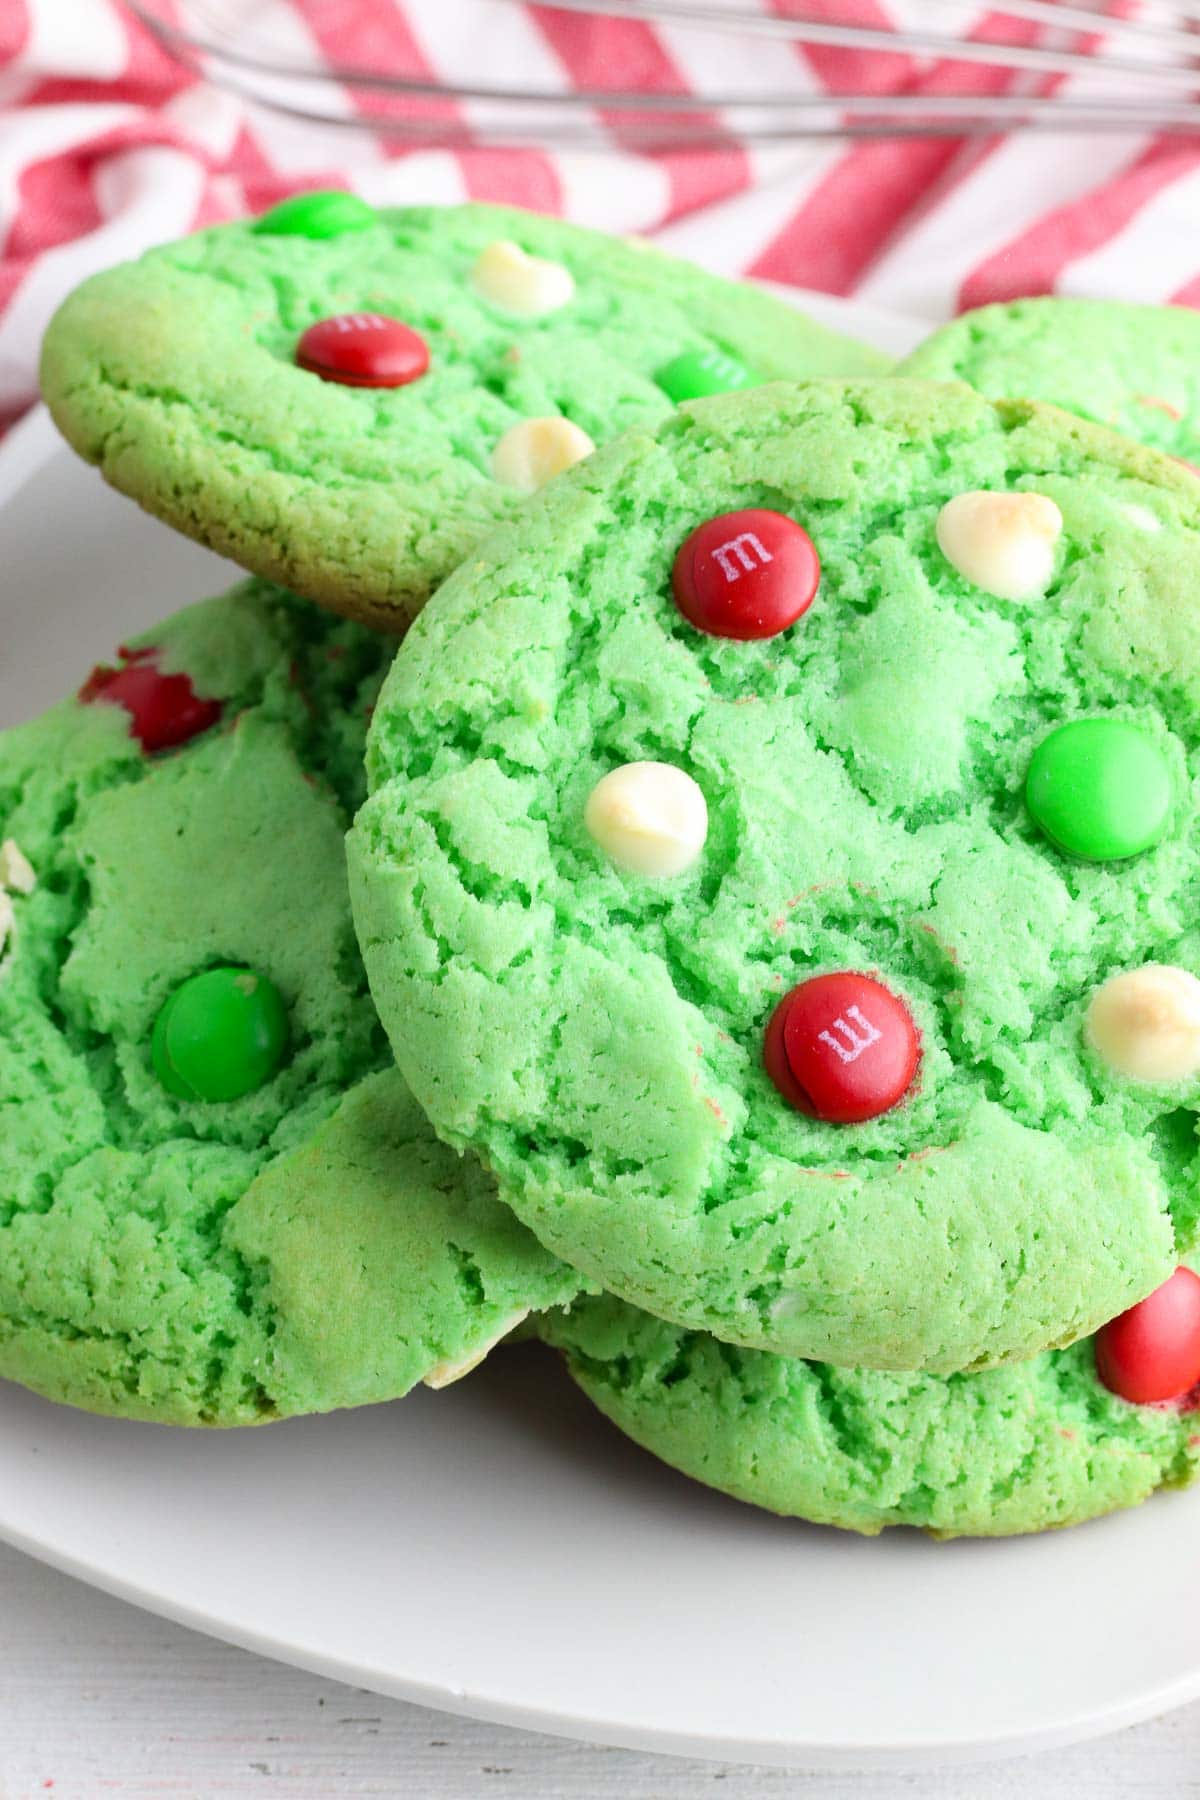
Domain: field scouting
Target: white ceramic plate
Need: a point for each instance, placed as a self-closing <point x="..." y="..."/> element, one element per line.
<point x="497" y="1549"/>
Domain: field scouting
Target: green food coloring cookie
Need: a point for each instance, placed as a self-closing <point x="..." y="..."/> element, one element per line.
<point x="1133" y="368"/>
<point x="178" y="376"/>
<point x="272" y="1229"/>
<point x="612" y="991"/>
<point x="1033" y="1446"/>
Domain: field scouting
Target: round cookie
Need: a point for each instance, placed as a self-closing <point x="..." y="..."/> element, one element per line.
<point x="308" y="1243"/>
<point x="1133" y="368"/>
<point x="178" y="375"/>
<point x="1029" y="1447"/>
<point x="601" y="1035"/>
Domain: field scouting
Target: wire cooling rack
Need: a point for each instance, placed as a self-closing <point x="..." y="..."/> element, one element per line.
<point x="664" y="74"/>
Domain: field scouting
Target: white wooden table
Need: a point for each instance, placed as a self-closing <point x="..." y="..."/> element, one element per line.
<point x="99" y="1699"/>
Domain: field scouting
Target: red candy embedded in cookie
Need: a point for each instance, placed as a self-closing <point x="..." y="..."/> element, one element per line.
<point x="746" y="574"/>
<point x="1152" y="1352"/>
<point x="842" y="1048"/>
<point x="165" y="710"/>
<point x="363" y="350"/>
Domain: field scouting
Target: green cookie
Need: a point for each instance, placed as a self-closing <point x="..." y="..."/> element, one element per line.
<point x="1134" y="368"/>
<point x="599" y="1036"/>
<point x="1024" y="1448"/>
<point x="177" y="375"/>
<point x="309" y="1244"/>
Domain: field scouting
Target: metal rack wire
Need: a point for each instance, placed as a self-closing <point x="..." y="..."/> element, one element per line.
<point x="1045" y="65"/>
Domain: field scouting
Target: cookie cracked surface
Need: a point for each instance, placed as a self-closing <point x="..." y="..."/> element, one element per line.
<point x="598" y="1036"/>
<point x="1029" y="1447"/>
<point x="310" y="1244"/>
<point x="177" y="376"/>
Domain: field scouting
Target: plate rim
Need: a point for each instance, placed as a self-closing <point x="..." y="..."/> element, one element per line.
<point x="805" y="1756"/>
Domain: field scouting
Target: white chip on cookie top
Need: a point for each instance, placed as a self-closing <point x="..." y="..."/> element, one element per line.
<point x="649" y="818"/>
<point x="1002" y="543"/>
<point x="453" y="1369"/>
<point x="16" y="870"/>
<point x="528" y="286"/>
<point x="1145" y="1023"/>
<point x="535" y="451"/>
<point x="1140" y="515"/>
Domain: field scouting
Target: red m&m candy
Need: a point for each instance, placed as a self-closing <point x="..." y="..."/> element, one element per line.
<point x="1152" y="1352"/>
<point x="842" y="1048"/>
<point x="164" y="710"/>
<point x="363" y="350"/>
<point x="746" y="574"/>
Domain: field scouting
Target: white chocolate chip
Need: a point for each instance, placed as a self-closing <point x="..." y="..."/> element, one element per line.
<point x="6" y="919"/>
<point x="526" y="285"/>
<point x="444" y="1373"/>
<point x="536" y="450"/>
<point x="648" y="817"/>
<point x="1002" y="543"/>
<point x="1146" y="1023"/>
<point x="16" y="871"/>
<point x="1141" y="516"/>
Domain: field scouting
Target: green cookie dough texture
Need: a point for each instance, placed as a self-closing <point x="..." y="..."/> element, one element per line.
<point x="1133" y="368"/>
<point x="176" y="376"/>
<point x="1028" y="1447"/>
<point x="310" y="1245"/>
<point x="598" y="1036"/>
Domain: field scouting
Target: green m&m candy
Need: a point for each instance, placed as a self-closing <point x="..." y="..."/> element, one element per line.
<point x="220" y="1035"/>
<point x="695" y="373"/>
<point x="1100" y="789"/>
<point x="321" y="215"/>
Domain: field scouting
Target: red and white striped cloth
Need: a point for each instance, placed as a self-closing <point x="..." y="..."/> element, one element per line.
<point x="107" y="146"/>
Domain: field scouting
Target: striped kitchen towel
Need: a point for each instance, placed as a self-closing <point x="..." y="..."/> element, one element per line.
<point x="107" y="145"/>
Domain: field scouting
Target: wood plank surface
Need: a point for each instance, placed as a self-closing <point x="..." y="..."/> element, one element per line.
<point x="99" y="1700"/>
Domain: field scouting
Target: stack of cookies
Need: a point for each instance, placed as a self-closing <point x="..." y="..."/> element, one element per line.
<point x="744" y="932"/>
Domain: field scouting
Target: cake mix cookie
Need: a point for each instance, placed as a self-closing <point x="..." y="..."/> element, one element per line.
<point x="1028" y="1447"/>
<point x="345" y="400"/>
<point x="218" y="1202"/>
<point x="1134" y="368"/>
<point x="780" y="867"/>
